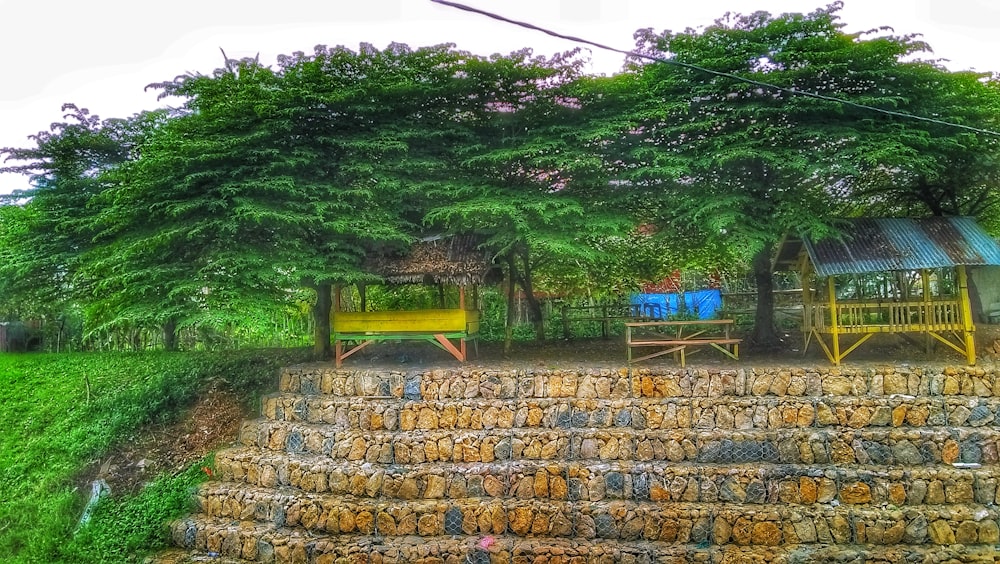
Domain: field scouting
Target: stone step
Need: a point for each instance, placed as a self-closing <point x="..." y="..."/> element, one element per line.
<point x="469" y="382"/>
<point x="844" y="446"/>
<point x="767" y="412"/>
<point x="714" y="523"/>
<point x="287" y="546"/>
<point x="617" y="480"/>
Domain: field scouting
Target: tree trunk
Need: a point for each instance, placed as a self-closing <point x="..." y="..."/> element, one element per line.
<point x="765" y="335"/>
<point x="321" y="321"/>
<point x="534" y="307"/>
<point x="508" y="330"/>
<point x="170" y="335"/>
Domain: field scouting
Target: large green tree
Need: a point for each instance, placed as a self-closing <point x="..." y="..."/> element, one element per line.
<point x="47" y="238"/>
<point x="741" y="162"/>
<point x="913" y="167"/>
<point x="532" y="177"/>
<point x="269" y="179"/>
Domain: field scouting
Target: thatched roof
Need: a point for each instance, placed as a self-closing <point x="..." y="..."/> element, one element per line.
<point x="456" y="260"/>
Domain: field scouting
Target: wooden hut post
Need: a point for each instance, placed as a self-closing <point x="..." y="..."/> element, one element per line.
<point x="831" y="284"/>
<point x="967" y="326"/>
<point x="806" y="280"/>
<point x="461" y="298"/>
<point x="928" y="320"/>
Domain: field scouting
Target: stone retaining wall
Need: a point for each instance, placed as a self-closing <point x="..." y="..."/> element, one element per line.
<point x="729" y="465"/>
<point x="642" y="382"/>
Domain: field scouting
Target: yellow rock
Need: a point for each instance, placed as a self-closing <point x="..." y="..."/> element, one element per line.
<point x="940" y="532"/>
<point x="808" y="490"/>
<point x="766" y="533"/>
<point x="950" y="451"/>
<point x="897" y="493"/>
<point x="857" y="492"/>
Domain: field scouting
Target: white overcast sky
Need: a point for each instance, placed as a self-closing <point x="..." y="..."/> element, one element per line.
<point x="100" y="54"/>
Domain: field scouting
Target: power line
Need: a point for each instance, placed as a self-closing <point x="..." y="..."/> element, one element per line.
<point x="690" y="66"/>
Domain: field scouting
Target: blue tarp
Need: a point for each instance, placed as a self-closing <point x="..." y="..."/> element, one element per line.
<point x="703" y="303"/>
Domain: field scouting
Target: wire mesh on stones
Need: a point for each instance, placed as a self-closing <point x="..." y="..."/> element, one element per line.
<point x="729" y="451"/>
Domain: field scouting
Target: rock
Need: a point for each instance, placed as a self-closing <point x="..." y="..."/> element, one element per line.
<point x="841" y="529"/>
<point x="959" y="492"/>
<point x="855" y="493"/>
<point x="837" y="385"/>
<point x="766" y="533"/>
<point x="899" y="415"/>
<point x="897" y="493"/>
<point x="881" y="417"/>
<point x="721" y="531"/>
<point x="906" y="452"/>
<point x="989" y="532"/>
<point x="779" y="385"/>
<point x="384" y="523"/>
<point x="980" y="415"/>
<point x="742" y="531"/>
<point x="916" y="530"/>
<point x="435" y="487"/>
<point x="935" y="493"/>
<point x="493" y="486"/>
<point x="557" y="487"/>
<point x="428" y="525"/>
<point x="756" y="492"/>
<point x="967" y="533"/>
<point x="732" y="491"/>
<point x="540" y="484"/>
<point x="408" y="489"/>
<point x="458" y="489"/>
<point x="808" y="491"/>
<point x="632" y="529"/>
<point x="950" y="385"/>
<point x="805" y="530"/>
<point x="941" y="533"/>
<point x="825" y="415"/>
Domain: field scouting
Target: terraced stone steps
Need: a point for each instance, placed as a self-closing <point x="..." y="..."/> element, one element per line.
<point x="714" y="523"/>
<point x="263" y="542"/>
<point x="766" y="412"/>
<point x="590" y="481"/>
<point x="642" y="382"/>
<point x="655" y="465"/>
<point x="885" y="446"/>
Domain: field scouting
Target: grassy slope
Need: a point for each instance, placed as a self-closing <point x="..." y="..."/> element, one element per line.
<point x="60" y="412"/>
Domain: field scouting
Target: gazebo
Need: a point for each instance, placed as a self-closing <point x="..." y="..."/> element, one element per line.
<point x="454" y="261"/>
<point x="889" y="275"/>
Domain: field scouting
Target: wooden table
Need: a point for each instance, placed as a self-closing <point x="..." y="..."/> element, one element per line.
<point x="676" y="336"/>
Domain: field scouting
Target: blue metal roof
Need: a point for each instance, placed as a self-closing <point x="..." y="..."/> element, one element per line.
<point x="886" y="244"/>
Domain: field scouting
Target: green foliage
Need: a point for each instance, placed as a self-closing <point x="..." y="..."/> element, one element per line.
<point x="124" y="529"/>
<point x="269" y="184"/>
<point x="64" y="412"/>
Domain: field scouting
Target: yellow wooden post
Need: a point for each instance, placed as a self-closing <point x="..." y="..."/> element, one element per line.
<point x="834" y="322"/>
<point x="928" y="313"/>
<point x="967" y="325"/>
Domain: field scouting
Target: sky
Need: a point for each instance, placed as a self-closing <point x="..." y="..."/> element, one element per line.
<point x="100" y="54"/>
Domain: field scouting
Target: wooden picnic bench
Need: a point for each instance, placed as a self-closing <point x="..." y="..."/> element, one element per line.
<point x="673" y="337"/>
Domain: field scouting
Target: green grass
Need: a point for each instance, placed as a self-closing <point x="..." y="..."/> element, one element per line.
<point x="60" y="412"/>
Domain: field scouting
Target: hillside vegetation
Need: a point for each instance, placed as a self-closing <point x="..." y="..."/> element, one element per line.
<point x="64" y="412"/>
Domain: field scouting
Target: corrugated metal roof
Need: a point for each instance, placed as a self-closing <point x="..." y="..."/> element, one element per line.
<point x="886" y="244"/>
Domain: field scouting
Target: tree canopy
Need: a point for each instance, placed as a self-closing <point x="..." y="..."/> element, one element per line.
<point x="270" y="184"/>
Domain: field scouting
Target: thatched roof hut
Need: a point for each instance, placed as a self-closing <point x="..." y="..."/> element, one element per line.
<point x="457" y="260"/>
